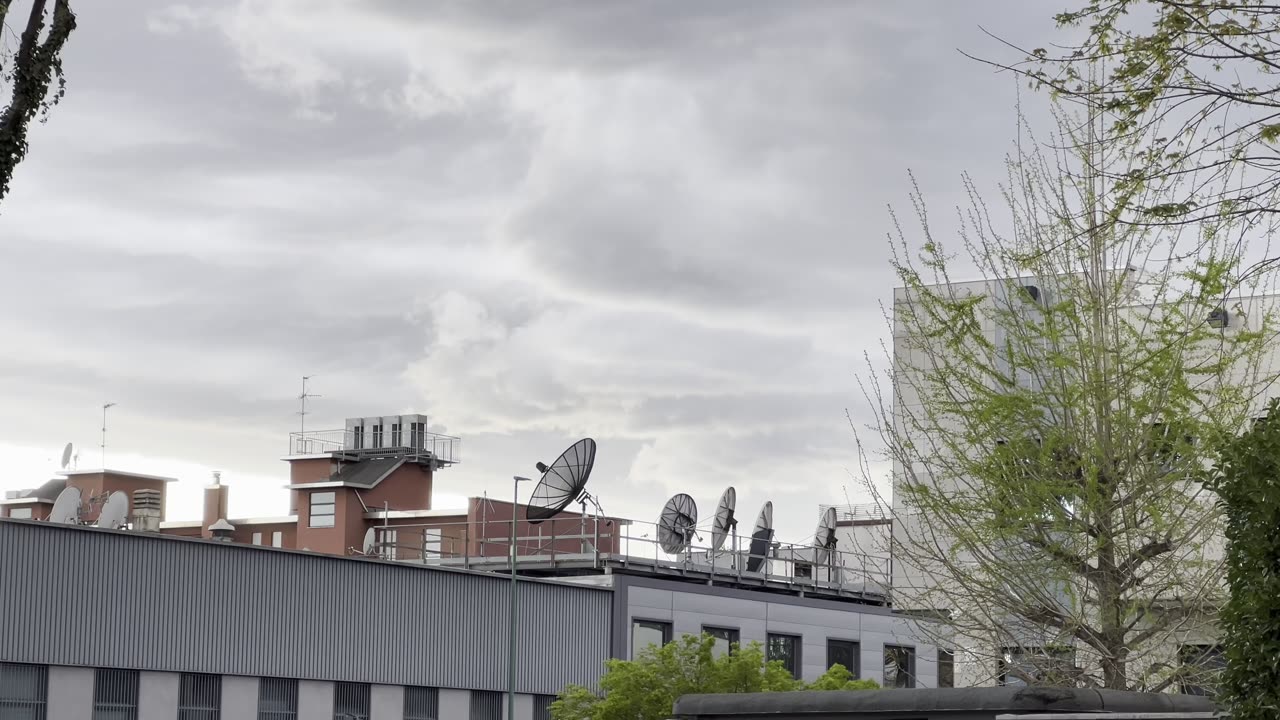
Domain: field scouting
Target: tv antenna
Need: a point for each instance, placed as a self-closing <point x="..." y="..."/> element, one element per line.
<point x="66" y="509"/>
<point x="761" y="538"/>
<point x="677" y="524"/>
<point x="105" y="407"/>
<point x="724" y="521"/>
<point x="824" y="538"/>
<point x="302" y="404"/>
<point x="115" y="511"/>
<point x="67" y="452"/>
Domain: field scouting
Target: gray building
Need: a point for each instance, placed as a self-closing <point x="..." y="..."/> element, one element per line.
<point x="115" y="624"/>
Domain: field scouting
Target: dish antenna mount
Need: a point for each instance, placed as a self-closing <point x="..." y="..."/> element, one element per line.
<point x="677" y="524"/>
<point x="761" y="538"/>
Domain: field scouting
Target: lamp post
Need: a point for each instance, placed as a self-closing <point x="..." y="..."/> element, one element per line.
<point x="511" y="629"/>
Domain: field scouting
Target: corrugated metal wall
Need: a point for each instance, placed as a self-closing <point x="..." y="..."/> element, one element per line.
<point x="85" y="597"/>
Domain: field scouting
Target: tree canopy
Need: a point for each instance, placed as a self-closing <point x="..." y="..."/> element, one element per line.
<point x="29" y="73"/>
<point x="647" y="687"/>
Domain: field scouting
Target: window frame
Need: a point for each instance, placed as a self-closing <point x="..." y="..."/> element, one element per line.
<point x="38" y="706"/>
<point x="480" y="699"/>
<point x="795" y="658"/>
<point x="357" y="437"/>
<point x="855" y="648"/>
<point x="357" y="694"/>
<point x="277" y="538"/>
<point x="256" y="539"/>
<point x="332" y="504"/>
<point x="290" y="686"/>
<point x="664" y="626"/>
<point x="950" y="663"/>
<point x="190" y="708"/>
<point x="430" y="696"/>
<point x="377" y="436"/>
<point x="113" y="679"/>
<point x="1196" y="685"/>
<point x="542" y="706"/>
<point x="731" y="635"/>
<point x="397" y="437"/>
<point x="910" y="669"/>
<point x="1048" y="656"/>
<point x="26" y="516"/>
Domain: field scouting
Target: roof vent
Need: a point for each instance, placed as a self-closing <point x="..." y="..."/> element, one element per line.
<point x="1219" y="318"/>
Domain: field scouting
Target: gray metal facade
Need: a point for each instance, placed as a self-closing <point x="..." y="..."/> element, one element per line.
<point x="98" y="598"/>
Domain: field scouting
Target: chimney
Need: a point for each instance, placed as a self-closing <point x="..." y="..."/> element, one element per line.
<point x="146" y="510"/>
<point x="222" y="530"/>
<point x="215" y="504"/>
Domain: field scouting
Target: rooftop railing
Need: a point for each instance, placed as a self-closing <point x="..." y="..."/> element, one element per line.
<point x="416" y="444"/>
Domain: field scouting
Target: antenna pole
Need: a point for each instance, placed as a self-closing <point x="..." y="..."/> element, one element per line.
<point x="104" y="433"/>
<point x="511" y="649"/>
<point x="302" y="405"/>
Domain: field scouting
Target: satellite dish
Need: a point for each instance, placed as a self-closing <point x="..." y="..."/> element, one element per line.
<point x="824" y="539"/>
<point x="114" y="512"/>
<point x="724" y="520"/>
<point x="66" y="509"/>
<point x="677" y="524"/>
<point x="761" y="537"/>
<point x="368" y="547"/>
<point x="66" y="455"/>
<point x="562" y="482"/>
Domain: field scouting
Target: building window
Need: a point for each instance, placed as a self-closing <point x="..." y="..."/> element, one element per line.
<point x="350" y="701"/>
<point x="24" y="690"/>
<point x="946" y="668"/>
<point x="199" y="697"/>
<point x="486" y="705"/>
<point x="257" y="538"/>
<point x="899" y="666"/>
<point x="785" y="649"/>
<point x="277" y="539"/>
<point x="542" y="706"/>
<point x="648" y="632"/>
<point x="421" y="703"/>
<point x="377" y="436"/>
<point x="726" y="638"/>
<point x="277" y="699"/>
<point x="1020" y="666"/>
<point x="20" y="513"/>
<point x="845" y="654"/>
<point x="322" y="508"/>
<point x="115" y="694"/>
<point x="417" y="435"/>
<point x="1202" y="667"/>
<point x="395" y="435"/>
<point x="357" y="437"/>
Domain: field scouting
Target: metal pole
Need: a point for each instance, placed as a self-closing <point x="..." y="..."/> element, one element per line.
<point x="104" y="433"/>
<point x="511" y="649"/>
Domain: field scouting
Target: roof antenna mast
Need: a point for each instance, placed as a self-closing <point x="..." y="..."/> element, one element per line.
<point x="105" y="407"/>
<point x="302" y="404"/>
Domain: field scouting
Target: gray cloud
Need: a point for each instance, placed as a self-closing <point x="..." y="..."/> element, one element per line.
<point x="658" y="223"/>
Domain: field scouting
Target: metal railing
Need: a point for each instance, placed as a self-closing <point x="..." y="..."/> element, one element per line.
<point x="446" y="449"/>
<point x="858" y="511"/>
<point x="574" y="542"/>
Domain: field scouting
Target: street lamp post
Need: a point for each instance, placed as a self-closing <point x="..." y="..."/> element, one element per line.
<point x="511" y="649"/>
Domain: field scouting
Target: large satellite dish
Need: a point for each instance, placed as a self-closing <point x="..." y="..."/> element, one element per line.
<point x="824" y="538"/>
<point x="115" y="511"/>
<point x="677" y="524"/>
<point x="66" y="455"/>
<point x="562" y="482"/>
<point x="370" y="546"/>
<point x="724" y="521"/>
<point x="761" y="538"/>
<point x="66" y="509"/>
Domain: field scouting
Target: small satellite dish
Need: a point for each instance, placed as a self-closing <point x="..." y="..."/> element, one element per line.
<point x="562" y="482"/>
<point x="724" y="520"/>
<point x="66" y="455"/>
<point x="66" y="509"/>
<point x="824" y="539"/>
<point x="761" y="537"/>
<point x="677" y="524"/>
<point x="114" y="512"/>
<point x="368" y="547"/>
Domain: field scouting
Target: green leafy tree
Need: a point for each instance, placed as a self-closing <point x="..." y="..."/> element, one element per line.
<point x="29" y="72"/>
<point x="1248" y="482"/>
<point x="1190" y="87"/>
<point x="1050" y="422"/>
<point x="646" y="688"/>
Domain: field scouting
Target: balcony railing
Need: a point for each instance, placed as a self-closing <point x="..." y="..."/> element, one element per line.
<point x="569" y="543"/>
<point x="445" y="449"/>
<point x="858" y="511"/>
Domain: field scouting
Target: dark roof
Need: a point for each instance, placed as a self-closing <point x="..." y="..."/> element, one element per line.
<point x="934" y="703"/>
<point x="367" y="472"/>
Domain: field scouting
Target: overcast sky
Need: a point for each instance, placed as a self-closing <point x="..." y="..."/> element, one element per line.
<point x="661" y="224"/>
